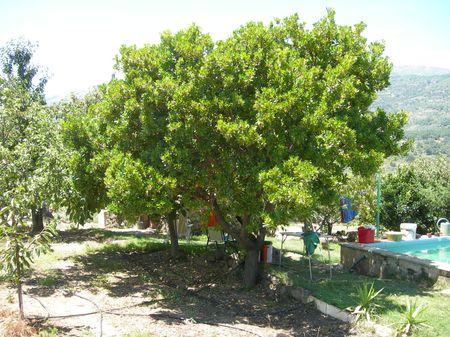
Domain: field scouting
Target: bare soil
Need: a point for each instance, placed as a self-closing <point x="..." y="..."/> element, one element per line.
<point x="130" y="294"/>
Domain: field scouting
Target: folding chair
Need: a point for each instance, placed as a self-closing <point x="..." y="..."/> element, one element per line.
<point x="216" y="236"/>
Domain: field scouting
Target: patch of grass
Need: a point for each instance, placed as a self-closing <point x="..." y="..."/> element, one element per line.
<point x="135" y="245"/>
<point x="148" y="244"/>
<point x="341" y="291"/>
<point x="92" y="234"/>
<point x="297" y="246"/>
<point x="196" y="246"/>
<point x="111" y="256"/>
<point x="47" y="261"/>
<point x="173" y="296"/>
<point x="47" y="280"/>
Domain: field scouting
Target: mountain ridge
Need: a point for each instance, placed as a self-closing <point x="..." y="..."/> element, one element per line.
<point x="424" y="93"/>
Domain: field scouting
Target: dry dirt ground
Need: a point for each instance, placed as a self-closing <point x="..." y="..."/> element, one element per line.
<point x="116" y="293"/>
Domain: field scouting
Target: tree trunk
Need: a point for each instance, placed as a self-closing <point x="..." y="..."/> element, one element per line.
<point x="19" y="280"/>
<point x="251" y="267"/>
<point x="171" y="219"/>
<point x="253" y="245"/>
<point x="20" y="293"/>
<point x="251" y="242"/>
<point x="37" y="216"/>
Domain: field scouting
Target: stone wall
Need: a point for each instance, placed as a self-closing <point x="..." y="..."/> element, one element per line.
<point x="384" y="264"/>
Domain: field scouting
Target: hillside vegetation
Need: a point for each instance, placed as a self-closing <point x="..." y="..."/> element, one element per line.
<point x="425" y="94"/>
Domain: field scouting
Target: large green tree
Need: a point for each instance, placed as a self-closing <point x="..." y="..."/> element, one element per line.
<point x="261" y="127"/>
<point x="275" y="119"/>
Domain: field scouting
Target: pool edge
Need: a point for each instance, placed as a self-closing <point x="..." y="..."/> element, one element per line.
<point x="381" y="263"/>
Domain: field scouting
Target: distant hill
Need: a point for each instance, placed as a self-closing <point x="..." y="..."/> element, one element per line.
<point x="421" y="71"/>
<point x="425" y="94"/>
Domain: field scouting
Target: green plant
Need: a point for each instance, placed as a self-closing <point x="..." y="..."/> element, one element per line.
<point x="366" y="301"/>
<point x="412" y="318"/>
<point x="20" y="248"/>
<point x="10" y="297"/>
<point x="49" y="332"/>
<point x="418" y="192"/>
<point x="395" y="293"/>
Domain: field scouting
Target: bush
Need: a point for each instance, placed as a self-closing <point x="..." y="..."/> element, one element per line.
<point x="418" y="193"/>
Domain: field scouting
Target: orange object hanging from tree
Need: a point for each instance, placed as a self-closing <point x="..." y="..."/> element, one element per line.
<point x="212" y="219"/>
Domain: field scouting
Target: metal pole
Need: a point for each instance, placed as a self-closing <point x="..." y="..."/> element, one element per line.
<point x="378" y="204"/>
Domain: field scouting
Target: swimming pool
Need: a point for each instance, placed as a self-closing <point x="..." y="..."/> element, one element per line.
<point x="413" y="260"/>
<point x="434" y="249"/>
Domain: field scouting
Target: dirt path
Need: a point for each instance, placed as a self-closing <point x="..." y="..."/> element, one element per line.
<point x="124" y="294"/>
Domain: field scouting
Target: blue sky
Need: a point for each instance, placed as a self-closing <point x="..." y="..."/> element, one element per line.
<point x="79" y="39"/>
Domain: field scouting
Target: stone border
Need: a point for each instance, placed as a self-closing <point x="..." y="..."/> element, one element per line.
<point x="305" y="296"/>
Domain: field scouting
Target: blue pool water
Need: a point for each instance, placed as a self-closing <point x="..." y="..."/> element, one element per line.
<point x="434" y="249"/>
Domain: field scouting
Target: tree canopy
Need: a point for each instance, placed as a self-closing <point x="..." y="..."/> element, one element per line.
<point x="18" y="71"/>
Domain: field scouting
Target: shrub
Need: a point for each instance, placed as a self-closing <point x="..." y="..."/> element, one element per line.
<point x="418" y="193"/>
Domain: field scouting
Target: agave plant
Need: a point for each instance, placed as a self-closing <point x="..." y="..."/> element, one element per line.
<point x="412" y="318"/>
<point x="366" y="301"/>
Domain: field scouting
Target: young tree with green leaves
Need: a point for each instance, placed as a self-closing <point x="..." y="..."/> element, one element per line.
<point x="18" y="248"/>
<point x="32" y="170"/>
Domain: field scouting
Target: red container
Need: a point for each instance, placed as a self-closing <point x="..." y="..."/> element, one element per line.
<point x="366" y="235"/>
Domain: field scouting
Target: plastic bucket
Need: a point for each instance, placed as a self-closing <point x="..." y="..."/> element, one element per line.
<point x="366" y="235"/>
<point x="394" y="236"/>
<point x="445" y="228"/>
<point x="408" y="230"/>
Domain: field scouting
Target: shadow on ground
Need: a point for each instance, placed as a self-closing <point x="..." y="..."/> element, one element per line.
<point x="196" y="287"/>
